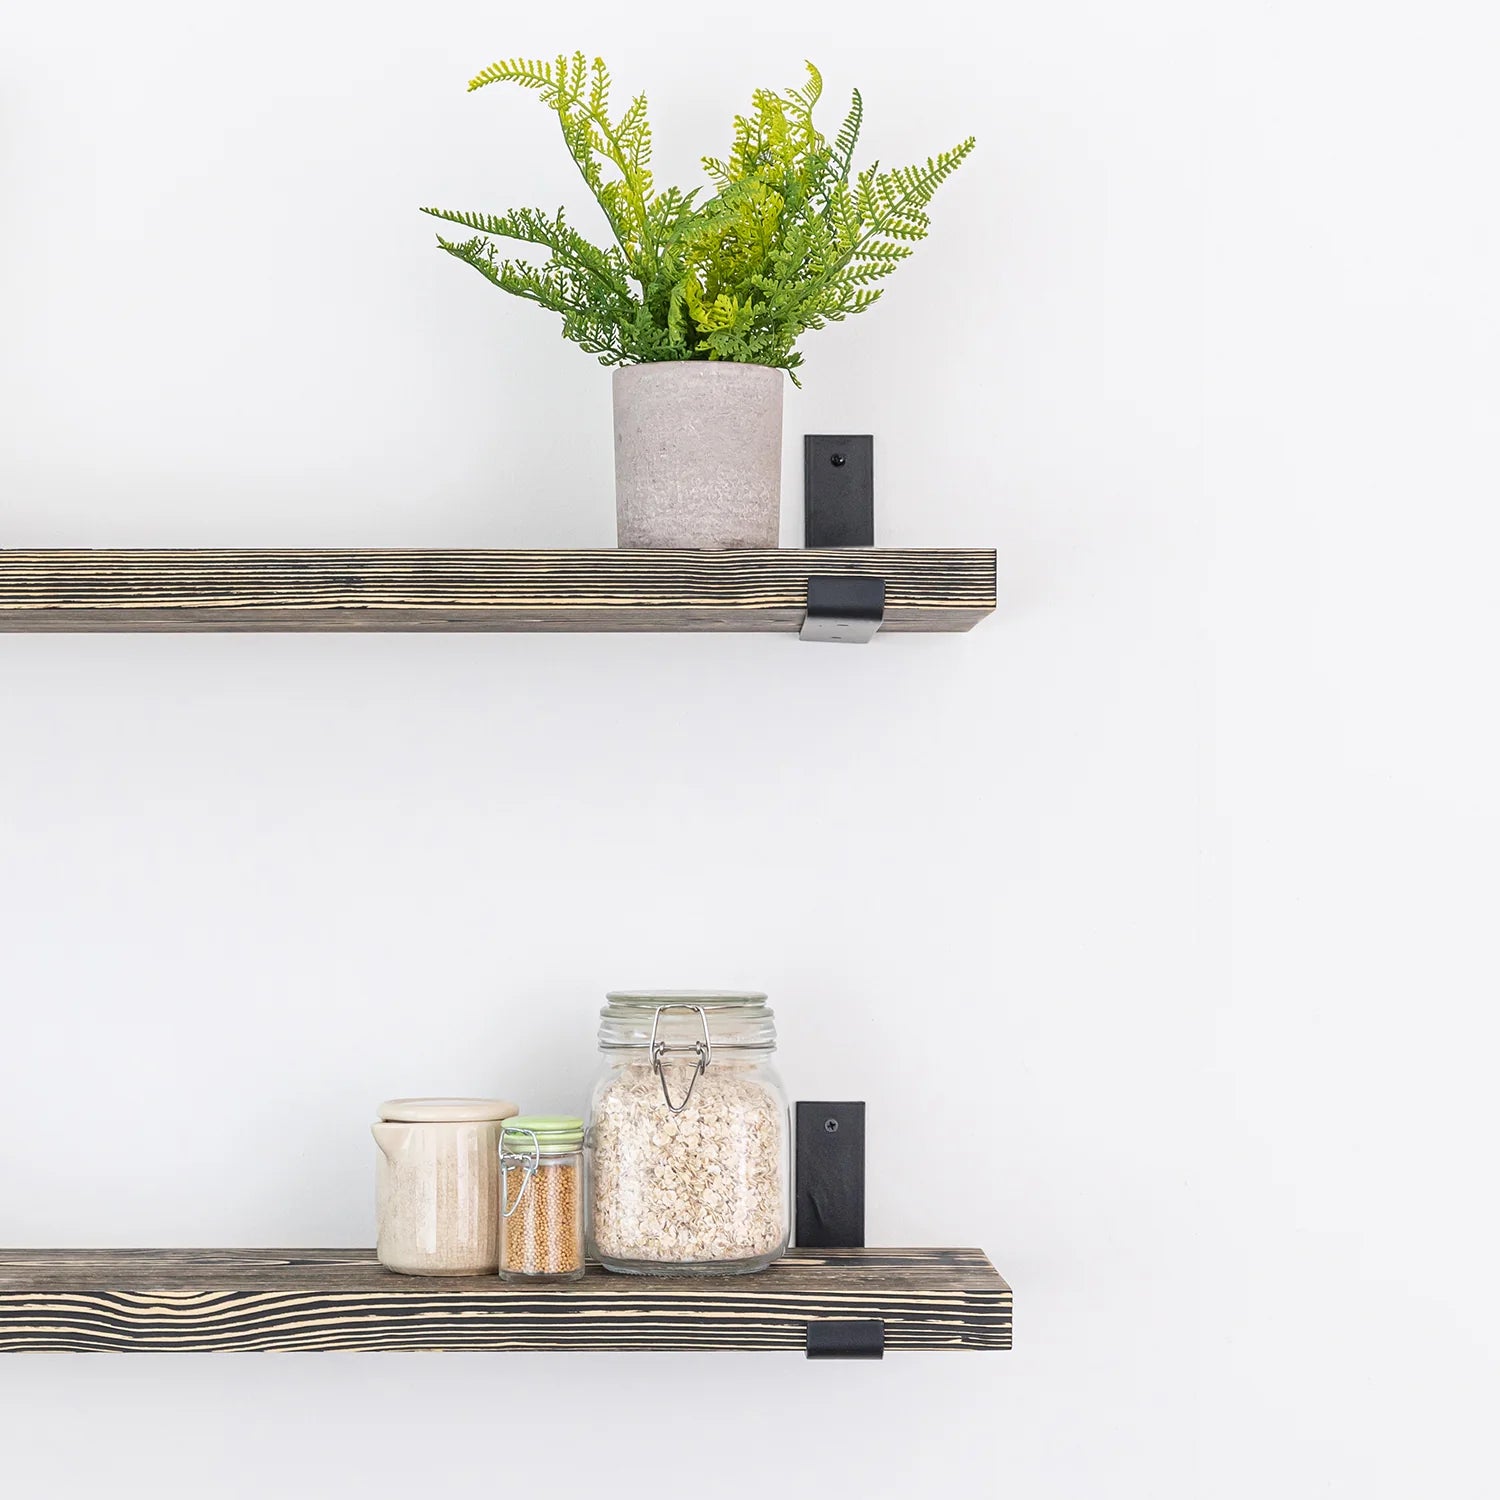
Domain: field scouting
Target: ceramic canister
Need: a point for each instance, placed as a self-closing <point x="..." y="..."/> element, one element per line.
<point x="438" y="1192"/>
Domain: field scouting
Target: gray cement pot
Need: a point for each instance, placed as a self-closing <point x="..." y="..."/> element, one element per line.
<point x="698" y="454"/>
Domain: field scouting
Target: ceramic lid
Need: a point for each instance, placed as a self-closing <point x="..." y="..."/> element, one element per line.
<point x="434" y="1111"/>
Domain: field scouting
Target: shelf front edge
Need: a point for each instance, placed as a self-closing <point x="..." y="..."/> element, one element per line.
<point x="944" y="589"/>
<point x="225" y="1300"/>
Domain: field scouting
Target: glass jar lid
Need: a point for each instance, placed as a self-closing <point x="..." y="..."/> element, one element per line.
<point x="552" y="1135"/>
<point x="441" y="1111"/>
<point x="680" y="1018"/>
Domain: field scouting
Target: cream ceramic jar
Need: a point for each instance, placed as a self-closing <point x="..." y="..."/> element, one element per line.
<point x="438" y="1188"/>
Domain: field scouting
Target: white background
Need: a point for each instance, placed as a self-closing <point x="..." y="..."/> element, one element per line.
<point x="1166" y="899"/>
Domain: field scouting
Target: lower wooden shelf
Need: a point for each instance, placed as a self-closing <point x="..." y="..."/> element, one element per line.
<point x="193" y="1300"/>
<point x="928" y="589"/>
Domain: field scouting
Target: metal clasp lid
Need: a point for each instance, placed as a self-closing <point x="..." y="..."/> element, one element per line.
<point x="510" y="1159"/>
<point x="703" y="1049"/>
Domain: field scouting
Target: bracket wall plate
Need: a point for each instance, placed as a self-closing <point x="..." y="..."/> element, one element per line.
<point x="830" y="1174"/>
<point x="838" y="490"/>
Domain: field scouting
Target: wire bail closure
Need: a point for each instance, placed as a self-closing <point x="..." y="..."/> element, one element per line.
<point x="703" y="1049"/>
<point x="527" y="1164"/>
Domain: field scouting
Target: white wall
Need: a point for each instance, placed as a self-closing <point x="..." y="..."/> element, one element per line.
<point x="1171" y="888"/>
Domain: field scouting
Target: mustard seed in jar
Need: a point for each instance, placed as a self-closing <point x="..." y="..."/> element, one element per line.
<point x="541" y="1198"/>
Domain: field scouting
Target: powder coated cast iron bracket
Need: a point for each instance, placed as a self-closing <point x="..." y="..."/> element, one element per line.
<point x="844" y="609"/>
<point x="846" y="1338"/>
<point x="838" y="499"/>
<point x="830" y="1174"/>
<point x="838" y="490"/>
<point x="831" y="1212"/>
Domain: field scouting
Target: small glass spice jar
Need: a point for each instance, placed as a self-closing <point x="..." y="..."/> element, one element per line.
<point x="541" y="1198"/>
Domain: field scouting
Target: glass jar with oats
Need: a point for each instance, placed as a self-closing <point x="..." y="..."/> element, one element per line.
<point x="688" y="1136"/>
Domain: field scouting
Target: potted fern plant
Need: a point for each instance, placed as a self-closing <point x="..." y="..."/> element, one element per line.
<point x="700" y="297"/>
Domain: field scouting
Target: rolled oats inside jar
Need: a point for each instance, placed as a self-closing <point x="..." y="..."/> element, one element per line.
<point x="688" y="1136"/>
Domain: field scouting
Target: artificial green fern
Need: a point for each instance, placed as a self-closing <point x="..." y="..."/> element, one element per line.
<point x="791" y="239"/>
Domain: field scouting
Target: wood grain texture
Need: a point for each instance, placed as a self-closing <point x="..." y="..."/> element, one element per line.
<point x="943" y="589"/>
<point x="342" y="1299"/>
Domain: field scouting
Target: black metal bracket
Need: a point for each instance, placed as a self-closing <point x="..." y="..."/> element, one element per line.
<point x="830" y="1174"/>
<point x="843" y="609"/>
<point x="846" y="1338"/>
<point x="831" y="1212"/>
<point x="838" y="490"/>
<point x="838" y="501"/>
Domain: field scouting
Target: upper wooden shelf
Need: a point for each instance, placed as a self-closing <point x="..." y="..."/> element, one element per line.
<point x="342" y="1299"/>
<point x="939" y="589"/>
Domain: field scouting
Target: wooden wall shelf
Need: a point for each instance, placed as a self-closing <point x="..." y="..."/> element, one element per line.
<point x="943" y="589"/>
<point x="341" y="1299"/>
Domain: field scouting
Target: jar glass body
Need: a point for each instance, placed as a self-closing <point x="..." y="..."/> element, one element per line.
<point x="542" y="1212"/>
<point x="689" y="1155"/>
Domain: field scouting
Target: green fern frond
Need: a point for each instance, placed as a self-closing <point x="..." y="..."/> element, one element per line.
<point x="848" y="138"/>
<point x="552" y="233"/>
<point x="551" y="77"/>
<point x="802" y="100"/>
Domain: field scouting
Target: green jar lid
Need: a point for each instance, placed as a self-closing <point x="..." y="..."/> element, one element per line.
<point x="554" y="1134"/>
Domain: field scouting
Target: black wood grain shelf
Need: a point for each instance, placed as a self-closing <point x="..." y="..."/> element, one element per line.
<point x="941" y="589"/>
<point x="341" y="1299"/>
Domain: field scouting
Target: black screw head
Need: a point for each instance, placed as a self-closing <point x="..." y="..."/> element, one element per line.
<point x="831" y="1126"/>
<point x="836" y="459"/>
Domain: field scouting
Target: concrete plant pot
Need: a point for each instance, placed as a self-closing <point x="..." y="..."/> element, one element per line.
<point x="698" y="454"/>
